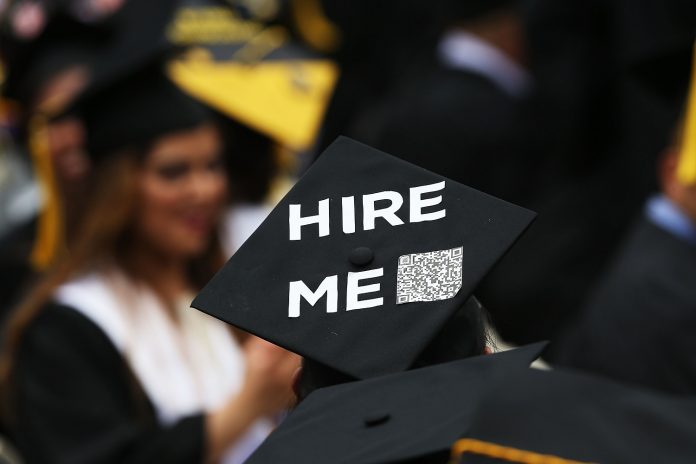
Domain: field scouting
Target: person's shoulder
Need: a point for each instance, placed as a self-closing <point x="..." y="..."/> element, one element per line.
<point x="652" y="258"/>
<point x="58" y="330"/>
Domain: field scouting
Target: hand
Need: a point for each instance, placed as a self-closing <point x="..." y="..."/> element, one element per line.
<point x="269" y="375"/>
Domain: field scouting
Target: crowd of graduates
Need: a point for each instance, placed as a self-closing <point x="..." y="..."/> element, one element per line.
<point x="458" y="178"/>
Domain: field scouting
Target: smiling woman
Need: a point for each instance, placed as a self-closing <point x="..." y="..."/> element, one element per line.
<point x="105" y="362"/>
<point x="182" y="187"/>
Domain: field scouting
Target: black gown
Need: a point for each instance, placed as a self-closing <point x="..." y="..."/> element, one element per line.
<point x="639" y="326"/>
<point x="462" y="125"/>
<point x="76" y="401"/>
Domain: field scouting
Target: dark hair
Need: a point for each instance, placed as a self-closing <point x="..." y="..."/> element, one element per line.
<point x="463" y="336"/>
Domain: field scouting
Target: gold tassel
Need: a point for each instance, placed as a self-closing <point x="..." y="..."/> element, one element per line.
<point x="49" y="234"/>
<point x="503" y="453"/>
<point x="686" y="170"/>
<point x="314" y="27"/>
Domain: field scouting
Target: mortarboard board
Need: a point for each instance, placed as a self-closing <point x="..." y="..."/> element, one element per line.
<point x="562" y="416"/>
<point x="411" y="416"/>
<point x="251" y="72"/>
<point x="363" y="262"/>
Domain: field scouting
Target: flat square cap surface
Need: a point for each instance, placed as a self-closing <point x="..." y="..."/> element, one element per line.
<point x="363" y="262"/>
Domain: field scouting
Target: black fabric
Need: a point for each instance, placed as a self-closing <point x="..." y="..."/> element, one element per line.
<point x="461" y="125"/>
<point x="602" y="132"/>
<point x="657" y="39"/>
<point x="75" y="401"/>
<point x="252" y="290"/>
<point x="380" y="42"/>
<point x="458" y="11"/>
<point x="583" y="418"/>
<point x="135" y="110"/>
<point x="638" y="327"/>
<point x="412" y="416"/>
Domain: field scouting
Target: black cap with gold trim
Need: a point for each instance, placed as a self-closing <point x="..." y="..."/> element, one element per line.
<point x="567" y="417"/>
<point x="363" y="262"/>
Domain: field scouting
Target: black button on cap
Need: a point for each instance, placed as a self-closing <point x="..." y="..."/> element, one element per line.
<point x="376" y="418"/>
<point x="361" y="256"/>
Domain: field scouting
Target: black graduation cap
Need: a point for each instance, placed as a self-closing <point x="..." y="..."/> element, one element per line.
<point x="363" y="262"/>
<point x="571" y="417"/>
<point x="135" y="110"/>
<point x="412" y="416"/>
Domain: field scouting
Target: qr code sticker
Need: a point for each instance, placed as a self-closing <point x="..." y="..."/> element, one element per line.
<point x="432" y="276"/>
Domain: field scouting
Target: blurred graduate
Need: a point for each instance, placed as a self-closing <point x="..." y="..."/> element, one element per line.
<point x="103" y="361"/>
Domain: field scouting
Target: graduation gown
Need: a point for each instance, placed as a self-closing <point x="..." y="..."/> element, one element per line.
<point x="639" y="325"/>
<point x="75" y="400"/>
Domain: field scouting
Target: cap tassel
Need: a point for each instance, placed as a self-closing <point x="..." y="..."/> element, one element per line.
<point x="314" y="27"/>
<point x="686" y="171"/>
<point x="49" y="235"/>
<point x="503" y="453"/>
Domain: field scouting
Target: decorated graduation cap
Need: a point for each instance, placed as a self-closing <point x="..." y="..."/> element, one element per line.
<point x="566" y="417"/>
<point x="412" y="416"/>
<point x="363" y="262"/>
<point x="251" y="72"/>
<point x="135" y="110"/>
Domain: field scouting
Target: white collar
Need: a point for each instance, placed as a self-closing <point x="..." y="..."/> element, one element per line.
<point x="459" y="49"/>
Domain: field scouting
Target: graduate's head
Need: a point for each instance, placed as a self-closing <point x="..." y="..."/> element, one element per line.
<point x="158" y="172"/>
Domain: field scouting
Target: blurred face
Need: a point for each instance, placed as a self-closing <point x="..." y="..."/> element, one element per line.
<point x="182" y="193"/>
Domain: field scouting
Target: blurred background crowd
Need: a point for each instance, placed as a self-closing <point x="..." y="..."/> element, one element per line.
<point x="141" y="142"/>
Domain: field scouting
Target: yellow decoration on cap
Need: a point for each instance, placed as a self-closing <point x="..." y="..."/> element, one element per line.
<point x="504" y="453"/>
<point x="686" y="171"/>
<point x="284" y="99"/>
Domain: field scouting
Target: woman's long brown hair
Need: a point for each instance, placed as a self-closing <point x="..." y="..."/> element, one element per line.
<point x="101" y="235"/>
